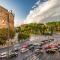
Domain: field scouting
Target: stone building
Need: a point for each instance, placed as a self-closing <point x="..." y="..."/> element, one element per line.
<point x="6" y="18"/>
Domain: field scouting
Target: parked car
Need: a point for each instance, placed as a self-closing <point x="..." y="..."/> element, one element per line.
<point x="52" y="39"/>
<point x="38" y="51"/>
<point x="31" y="47"/>
<point x="59" y="50"/>
<point x="47" y="47"/>
<point x="3" y="55"/>
<point x="13" y="54"/>
<point x="53" y="46"/>
<point x="50" y="51"/>
<point x="23" y="50"/>
<point x="25" y="46"/>
<point x="43" y="42"/>
<point x="16" y="49"/>
<point x="46" y="41"/>
<point x="59" y="47"/>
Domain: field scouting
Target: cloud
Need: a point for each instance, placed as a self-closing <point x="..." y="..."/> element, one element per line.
<point x="36" y="4"/>
<point x="44" y="11"/>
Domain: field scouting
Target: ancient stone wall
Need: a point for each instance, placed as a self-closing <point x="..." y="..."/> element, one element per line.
<point x="4" y="17"/>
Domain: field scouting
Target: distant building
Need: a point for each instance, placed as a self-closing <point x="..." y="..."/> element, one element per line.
<point x="5" y="18"/>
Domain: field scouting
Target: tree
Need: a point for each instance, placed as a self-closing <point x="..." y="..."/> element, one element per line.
<point x="11" y="34"/>
<point x="22" y="36"/>
<point x="3" y="36"/>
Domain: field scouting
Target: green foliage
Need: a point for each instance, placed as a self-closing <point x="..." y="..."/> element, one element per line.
<point x="22" y="36"/>
<point x="4" y="35"/>
<point x="17" y="29"/>
<point x="26" y="30"/>
<point x="2" y="41"/>
<point x="11" y="34"/>
<point x="54" y="26"/>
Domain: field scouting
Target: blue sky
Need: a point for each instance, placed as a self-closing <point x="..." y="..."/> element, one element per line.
<point x="21" y="8"/>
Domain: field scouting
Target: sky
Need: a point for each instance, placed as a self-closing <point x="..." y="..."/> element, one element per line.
<point x="46" y="11"/>
<point x="33" y="11"/>
<point x="21" y="8"/>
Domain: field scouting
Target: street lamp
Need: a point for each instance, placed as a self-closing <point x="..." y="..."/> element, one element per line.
<point x="8" y="33"/>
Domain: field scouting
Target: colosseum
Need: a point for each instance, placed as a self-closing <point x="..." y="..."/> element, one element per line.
<point x="6" y="18"/>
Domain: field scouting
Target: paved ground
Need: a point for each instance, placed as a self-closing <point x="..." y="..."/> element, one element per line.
<point x="44" y="56"/>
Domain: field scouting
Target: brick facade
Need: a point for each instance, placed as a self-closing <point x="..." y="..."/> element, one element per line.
<point x="5" y="17"/>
